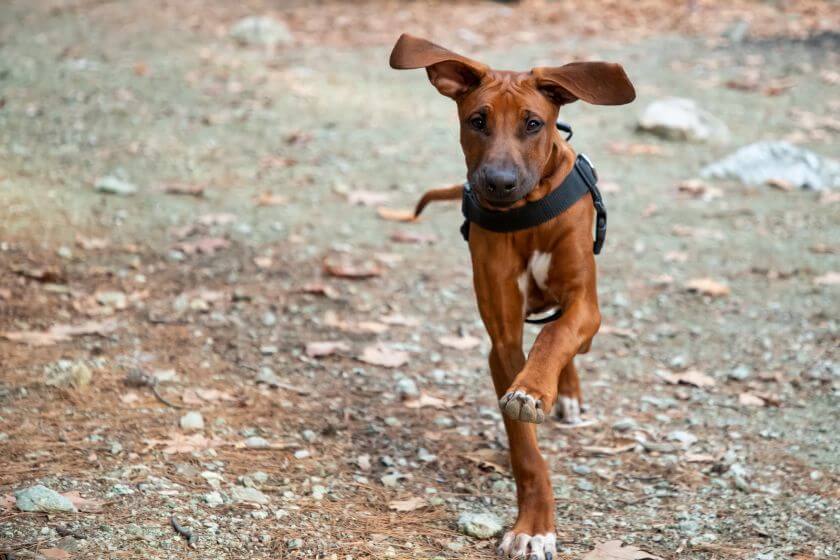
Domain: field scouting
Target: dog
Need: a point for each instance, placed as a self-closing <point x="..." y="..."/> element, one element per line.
<point x="515" y="156"/>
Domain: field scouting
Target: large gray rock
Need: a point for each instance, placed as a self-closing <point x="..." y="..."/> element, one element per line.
<point x="677" y="118"/>
<point x="479" y="525"/>
<point x="111" y="184"/>
<point x="248" y="495"/>
<point x="40" y="498"/>
<point x="763" y="162"/>
<point x="261" y="30"/>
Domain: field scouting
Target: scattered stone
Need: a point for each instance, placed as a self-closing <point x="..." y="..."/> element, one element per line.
<point x="268" y="319"/>
<point x="113" y="299"/>
<point x="624" y="425"/>
<point x="777" y="162"/>
<point x="294" y="544"/>
<point x="192" y="420"/>
<point x="407" y="388"/>
<point x="259" y="477"/>
<point x="121" y="490"/>
<point x="261" y="30"/>
<point x="581" y="469"/>
<point x="249" y="495"/>
<point x="740" y="373"/>
<point x="318" y="492"/>
<point x="685" y="438"/>
<point x="302" y="454"/>
<point x="680" y="119"/>
<point x="256" y="442"/>
<point x="214" y="499"/>
<point x="309" y="435"/>
<point x="42" y="499"/>
<point x="479" y="525"/>
<point x="114" y="185"/>
<point x="425" y="456"/>
<point x="68" y="373"/>
<point x="266" y="375"/>
<point x="585" y="485"/>
<point x="268" y="350"/>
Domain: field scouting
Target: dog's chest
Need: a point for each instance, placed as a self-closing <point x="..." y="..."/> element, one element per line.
<point x="535" y="275"/>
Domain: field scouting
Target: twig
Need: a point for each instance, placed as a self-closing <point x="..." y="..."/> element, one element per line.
<point x="192" y="539"/>
<point x="163" y="400"/>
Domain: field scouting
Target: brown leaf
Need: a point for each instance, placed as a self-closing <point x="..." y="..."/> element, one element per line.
<point x="490" y="459"/>
<point x="183" y="443"/>
<point x="699" y="189"/>
<point x="321" y="349"/>
<point x="54" y="553"/>
<point x="396" y="214"/>
<point x="404" y="236"/>
<point x="828" y="279"/>
<point x="382" y="355"/>
<point x="690" y="377"/>
<point x="625" y="149"/>
<point x="320" y="289"/>
<point x="699" y="458"/>
<point x="91" y="243"/>
<point x="400" y="320"/>
<point x="409" y="504"/>
<point x="614" y="550"/>
<point x="367" y="198"/>
<point x="61" y="333"/>
<point x="707" y="287"/>
<point x="621" y="445"/>
<point x="204" y="246"/>
<point x="332" y="320"/>
<point x="270" y="199"/>
<point x="199" y="396"/>
<point x="616" y="331"/>
<point x="184" y="189"/>
<point x="781" y="185"/>
<point x="345" y="269"/>
<point x="426" y="400"/>
<point x="748" y="399"/>
<point x="459" y="342"/>
<point x="84" y="504"/>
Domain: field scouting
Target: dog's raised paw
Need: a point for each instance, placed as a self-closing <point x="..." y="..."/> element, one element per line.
<point x="522" y="546"/>
<point x="518" y="405"/>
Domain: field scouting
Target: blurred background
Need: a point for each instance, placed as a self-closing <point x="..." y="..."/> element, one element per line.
<point x="210" y="307"/>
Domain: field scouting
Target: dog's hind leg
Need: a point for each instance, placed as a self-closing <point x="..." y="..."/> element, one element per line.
<point x="569" y="400"/>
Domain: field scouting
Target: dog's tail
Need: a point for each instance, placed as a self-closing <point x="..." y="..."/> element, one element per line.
<point x="453" y="192"/>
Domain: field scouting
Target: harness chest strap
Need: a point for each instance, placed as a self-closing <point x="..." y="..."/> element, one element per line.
<point x="581" y="180"/>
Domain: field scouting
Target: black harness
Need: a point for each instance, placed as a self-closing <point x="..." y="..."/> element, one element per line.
<point x="580" y="181"/>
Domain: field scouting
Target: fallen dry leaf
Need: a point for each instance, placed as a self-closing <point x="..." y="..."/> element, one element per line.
<point x="615" y="550"/>
<point x="690" y="377"/>
<point x="616" y="331"/>
<point x="696" y="188"/>
<point x="270" y="199"/>
<point x="182" y="443"/>
<point x="828" y="279"/>
<point x="621" y="445"/>
<point x="400" y="320"/>
<point x="426" y="400"/>
<point x="326" y="348"/>
<point x="264" y="262"/>
<point x="403" y="236"/>
<point x="707" y="287"/>
<point x="92" y="243"/>
<point x="395" y="214"/>
<point x="184" y="189"/>
<point x="490" y="459"/>
<point x="781" y="185"/>
<point x="204" y="245"/>
<point x="459" y="342"/>
<point x="699" y="458"/>
<point x="217" y="219"/>
<point x="43" y="274"/>
<point x="345" y="269"/>
<point x="626" y="149"/>
<point x="320" y="289"/>
<point x="130" y="397"/>
<point x="199" y="396"/>
<point x="383" y="355"/>
<point x="61" y="333"/>
<point x="409" y="504"/>
<point x="748" y="399"/>
<point x="86" y="505"/>
<point x="332" y="320"/>
<point x="367" y="198"/>
<point x="54" y="553"/>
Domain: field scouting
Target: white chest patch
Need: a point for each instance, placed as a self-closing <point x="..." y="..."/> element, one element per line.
<point x="538" y="266"/>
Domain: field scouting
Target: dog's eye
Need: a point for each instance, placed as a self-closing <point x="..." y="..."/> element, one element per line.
<point x="478" y="122"/>
<point x="533" y="125"/>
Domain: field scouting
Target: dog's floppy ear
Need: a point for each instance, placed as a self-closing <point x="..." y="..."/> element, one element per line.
<point x="452" y="74"/>
<point x="600" y="83"/>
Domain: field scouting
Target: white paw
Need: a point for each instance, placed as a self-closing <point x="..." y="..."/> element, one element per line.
<point x="568" y="410"/>
<point x="521" y="546"/>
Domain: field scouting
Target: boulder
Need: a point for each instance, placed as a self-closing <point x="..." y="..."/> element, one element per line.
<point x="680" y="119"/>
<point x="777" y="163"/>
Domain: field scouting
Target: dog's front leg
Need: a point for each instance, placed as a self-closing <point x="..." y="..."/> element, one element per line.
<point x="534" y="389"/>
<point x="501" y="306"/>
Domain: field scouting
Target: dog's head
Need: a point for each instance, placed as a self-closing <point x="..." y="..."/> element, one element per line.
<point x="507" y="118"/>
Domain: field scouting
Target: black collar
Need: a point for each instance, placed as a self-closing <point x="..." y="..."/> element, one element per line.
<point x="580" y="180"/>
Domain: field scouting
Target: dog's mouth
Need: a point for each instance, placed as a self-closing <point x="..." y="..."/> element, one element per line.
<point x="506" y="201"/>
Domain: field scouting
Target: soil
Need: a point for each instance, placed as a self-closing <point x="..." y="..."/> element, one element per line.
<point x="280" y="142"/>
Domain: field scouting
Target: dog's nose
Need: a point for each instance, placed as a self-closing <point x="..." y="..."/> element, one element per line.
<point x="500" y="180"/>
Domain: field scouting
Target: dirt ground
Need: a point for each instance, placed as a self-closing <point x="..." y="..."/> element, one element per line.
<point x="259" y="173"/>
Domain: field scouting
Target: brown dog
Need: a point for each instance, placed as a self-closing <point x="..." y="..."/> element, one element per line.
<point x="514" y="155"/>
